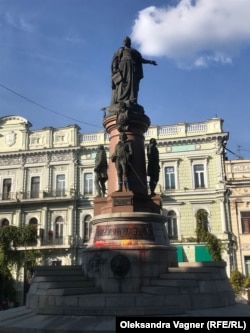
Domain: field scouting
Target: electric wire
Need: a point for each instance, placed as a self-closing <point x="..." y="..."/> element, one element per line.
<point x="45" y="107"/>
<point x="71" y="118"/>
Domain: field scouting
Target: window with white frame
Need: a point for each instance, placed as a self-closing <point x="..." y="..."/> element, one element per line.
<point x="170" y="182"/>
<point x="245" y="222"/>
<point x="88" y="183"/>
<point x="199" y="175"/>
<point x="60" y="185"/>
<point x="247" y="265"/>
<point x="59" y="227"/>
<point x="86" y="228"/>
<point x="7" y="183"/>
<point x="35" y="187"/>
<point x="172" y="225"/>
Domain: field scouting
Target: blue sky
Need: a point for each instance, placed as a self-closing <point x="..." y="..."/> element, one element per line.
<point x="55" y="58"/>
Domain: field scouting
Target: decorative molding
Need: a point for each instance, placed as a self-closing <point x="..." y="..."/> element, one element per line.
<point x="10" y="138"/>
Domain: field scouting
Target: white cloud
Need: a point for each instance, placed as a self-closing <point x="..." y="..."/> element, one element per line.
<point x="18" y="22"/>
<point x="194" y="32"/>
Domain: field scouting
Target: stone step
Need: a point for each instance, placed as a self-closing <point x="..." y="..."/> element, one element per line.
<point x="198" y="271"/>
<point x="58" y="270"/>
<point x="174" y="282"/>
<point x="189" y="276"/>
<point x="54" y="278"/>
<point x="185" y="269"/>
<point x="73" y="291"/>
<point x="65" y="284"/>
<point x="114" y="311"/>
<point x="161" y="290"/>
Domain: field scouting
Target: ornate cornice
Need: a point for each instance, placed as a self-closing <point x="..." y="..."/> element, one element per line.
<point x="192" y="140"/>
<point x="42" y="157"/>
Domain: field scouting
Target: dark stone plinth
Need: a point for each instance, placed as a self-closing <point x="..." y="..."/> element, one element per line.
<point x="136" y="264"/>
<point x="127" y="202"/>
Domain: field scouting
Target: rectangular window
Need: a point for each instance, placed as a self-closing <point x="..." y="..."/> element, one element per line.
<point x="245" y="222"/>
<point x="172" y="225"/>
<point x="172" y="229"/>
<point x="6" y="189"/>
<point x="247" y="265"/>
<point x="35" y="187"/>
<point x="60" y="185"/>
<point x="169" y="178"/>
<point x="59" y="230"/>
<point x="199" y="176"/>
<point x="88" y="180"/>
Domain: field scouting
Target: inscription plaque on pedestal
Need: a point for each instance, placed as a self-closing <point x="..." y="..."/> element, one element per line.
<point x="123" y="201"/>
<point x="124" y="231"/>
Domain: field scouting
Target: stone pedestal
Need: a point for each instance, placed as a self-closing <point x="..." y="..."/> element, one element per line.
<point x="127" y="250"/>
<point x="127" y="202"/>
<point x="138" y="125"/>
<point x="129" y="245"/>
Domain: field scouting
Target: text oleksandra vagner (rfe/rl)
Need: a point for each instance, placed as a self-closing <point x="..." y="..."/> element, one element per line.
<point x="143" y="324"/>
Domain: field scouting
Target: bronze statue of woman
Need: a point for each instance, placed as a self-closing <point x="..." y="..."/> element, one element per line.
<point x="127" y="71"/>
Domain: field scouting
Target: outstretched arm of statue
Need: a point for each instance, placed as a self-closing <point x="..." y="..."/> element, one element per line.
<point x="151" y="62"/>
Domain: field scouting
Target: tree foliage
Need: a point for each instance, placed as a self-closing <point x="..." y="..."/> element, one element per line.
<point x="237" y="281"/>
<point x="10" y="238"/>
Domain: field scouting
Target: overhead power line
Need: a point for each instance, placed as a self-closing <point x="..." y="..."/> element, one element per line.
<point x="45" y="107"/>
<point x="240" y="157"/>
<point x="71" y="118"/>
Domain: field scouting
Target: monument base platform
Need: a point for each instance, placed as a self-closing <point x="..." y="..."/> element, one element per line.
<point x="67" y="291"/>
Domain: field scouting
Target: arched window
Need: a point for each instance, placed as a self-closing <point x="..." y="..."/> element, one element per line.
<point x="59" y="227"/>
<point x="33" y="221"/>
<point x="86" y="228"/>
<point x="172" y="225"/>
<point x="4" y="223"/>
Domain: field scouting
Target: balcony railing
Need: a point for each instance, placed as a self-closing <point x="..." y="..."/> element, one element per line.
<point x="28" y="195"/>
<point x="55" y="194"/>
<point x="8" y="195"/>
<point x="54" y="241"/>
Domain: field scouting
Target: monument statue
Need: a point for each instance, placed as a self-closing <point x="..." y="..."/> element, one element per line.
<point x="127" y="71"/>
<point x="153" y="165"/>
<point x="128" y="254"/>
<point x="101" y="175"/>
<point x="121" y="156"/>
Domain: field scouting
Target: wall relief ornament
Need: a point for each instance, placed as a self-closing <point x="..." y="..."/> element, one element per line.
<point x="10" y="138"/>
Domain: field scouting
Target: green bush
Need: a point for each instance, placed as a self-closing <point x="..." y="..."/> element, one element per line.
<point x="246" y="283"/>
<point x="237" y="281"/>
